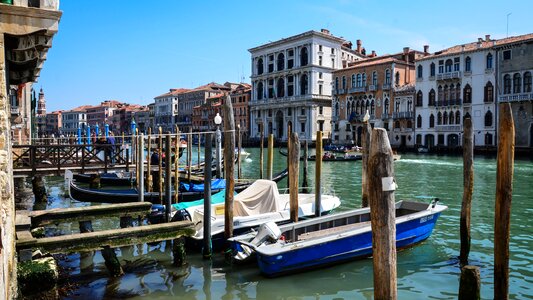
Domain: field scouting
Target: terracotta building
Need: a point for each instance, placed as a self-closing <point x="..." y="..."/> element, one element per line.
<point x="240" y="97"/>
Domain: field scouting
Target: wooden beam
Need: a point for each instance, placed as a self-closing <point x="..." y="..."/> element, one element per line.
<point x="468" y="189"/>
<point x="229" y="166"/>
<point x="294" y="171"/>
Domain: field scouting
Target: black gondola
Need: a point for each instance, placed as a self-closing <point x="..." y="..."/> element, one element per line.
<point x="331" y="157"/>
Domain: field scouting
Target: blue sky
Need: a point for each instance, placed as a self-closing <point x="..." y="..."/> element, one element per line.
<point x="135" y="50"/>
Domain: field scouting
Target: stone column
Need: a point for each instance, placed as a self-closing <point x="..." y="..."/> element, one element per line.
<point x="8" y="277"/>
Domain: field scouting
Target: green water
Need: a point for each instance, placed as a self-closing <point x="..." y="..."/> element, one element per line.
<point x="428" y="271"/>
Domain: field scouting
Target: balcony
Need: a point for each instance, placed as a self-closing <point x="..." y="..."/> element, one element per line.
<point x="444" y="103"/>
<point x="403" y="115"/>
<point x="15" y="111"/>
<point x="373" y="87"/>
<point x="386" y="86"/>
<point x="516" y="97"/>
<point x="43" y="4"/>
<point x="360" y="89"/>
<point x="449" y="75"/>
<point x="453" y="128"/>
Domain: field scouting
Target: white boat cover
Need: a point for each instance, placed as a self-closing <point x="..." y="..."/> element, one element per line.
<point x="259" y="198"/>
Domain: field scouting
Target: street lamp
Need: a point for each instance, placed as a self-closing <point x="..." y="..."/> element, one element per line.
<point x="218" y="121"/>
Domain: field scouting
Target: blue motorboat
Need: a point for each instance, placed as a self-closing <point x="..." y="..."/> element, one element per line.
<point x="331" y="239"/>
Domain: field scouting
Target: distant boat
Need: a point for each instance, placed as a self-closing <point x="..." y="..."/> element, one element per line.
<point x="328" y="156"/>
<point x="422" y="149"/>
<point x="330" y="239"/>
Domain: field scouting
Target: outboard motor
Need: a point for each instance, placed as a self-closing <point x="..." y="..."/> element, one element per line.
<point x="267" y="232"/>
<point x="181" y="215"/>
<point x="157" y="215"/>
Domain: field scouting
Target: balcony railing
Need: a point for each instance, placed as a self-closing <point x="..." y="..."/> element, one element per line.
<point x="449" y="75"/>
<point x="386" y="86"/>
<point x="516" y="97"/>
<point x="448" y="102"/>
<point x="385" y="116"/>
<point x="403" y="115"/>
<point x="373" y="87"/>
<point x="441" y="128"/>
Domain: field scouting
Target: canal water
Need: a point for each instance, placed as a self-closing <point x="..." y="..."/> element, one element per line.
<point x="427" y="271"/>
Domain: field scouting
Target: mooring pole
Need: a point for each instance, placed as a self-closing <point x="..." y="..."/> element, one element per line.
<point x="239" y="151"/>
<point x="504" y="196"/>
<point x="306" y="151"/>
<point x="270" y="158"/>
<point x="382" y="215"/>
<point x="189" y="155"/>
<point x="318" y="173"/>
<point x="469" y="285"/>
<point x="288" y="159"/>
<point x="199" y="145"/>
<point x="294" y="168"/>
<point x="229" y="165"/>
<point x="468" y="189"/>
<point x="168" y="175"/>
<point x="140" y="184"/>
<point x="208" y="157"/>
<point x="176" y="166"/>
<point x="366" y="140"/>
<point x="261" y="146"/>
<point x="149" y="161"/>
<point x="160" y="165"/>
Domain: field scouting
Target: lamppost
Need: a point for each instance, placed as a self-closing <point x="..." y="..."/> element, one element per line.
<point x="218" y="121"/>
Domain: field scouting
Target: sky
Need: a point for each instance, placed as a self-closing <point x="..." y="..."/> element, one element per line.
<point x="133" y="51"/>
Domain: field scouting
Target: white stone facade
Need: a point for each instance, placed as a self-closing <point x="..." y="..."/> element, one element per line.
<point x="72" y="120"/>
<point x="165" y="110"/>
<point x="291" y="84"/>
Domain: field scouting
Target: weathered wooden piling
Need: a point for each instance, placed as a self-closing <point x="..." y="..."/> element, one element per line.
<point x="39" y="189"/>
<point x="229" y="166"/>
<point x="270" y="158"/>
<point x="207" y="248"/>
<point x="288" y="158"/>
<point x="160" y="165"/>
<point x="366" y="140"/>
<point x="176" y="165"/>
<point x="382" y="214"/>
<point x="94" y="181"/>
<point x="239" y="151"/>
<point x="469" y="285"/>
<point x="306" y="151"/>
<point x="294" y="171"/>
<point x="140" y="170"/>
<point x="261" y="146"/>
<point x="149" y="161"/>
<point x="189" y="155"/>
<point x="468" y="189"/>
<point x="199" y="146"/>
<point x="318" y="173"/>
<point x="111" y="262"/>
<point x="504" y="196"/>
<point x="178" y="251"/>
<point x="168" y="175"/>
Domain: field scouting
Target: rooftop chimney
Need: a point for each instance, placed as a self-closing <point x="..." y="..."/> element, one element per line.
<point x="487" y="37"/>
<point x="373" y="53"/>
<point x="325" y="31"/>
<point x="406" y="53"/>
<point x="426" y="49"/>
<point x="479" y="40"/>
<point x="405" y="50"/>
<point x="359" y="44"/>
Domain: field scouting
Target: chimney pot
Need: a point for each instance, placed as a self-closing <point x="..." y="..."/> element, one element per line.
<point x="323" y="30"/>
<point x="426" y="48"/>
<point x="487" y="37"/>
<point x="405" y="50"/>
<point x="479" y="40"/>
<point x="359" y="44"/>
<point x="373" y="53"/>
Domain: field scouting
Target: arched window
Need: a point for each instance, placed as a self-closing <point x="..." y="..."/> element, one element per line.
<point x="448" y="65"/>
<point x="359" y="80"/>
<point x="489" y="61"/>
<point x="259" y="90"/>
<point x="432" y="70"/>
<point x="372" y="108"/>
<point x="337" y="83"/>
<point x="409" y="105"/>
<point x="452" y="93"/>
<point x="343" y="82"/>
<point x="375" y="78"/>
<point x="419" y="121"/>
<point x="397" y="78"/>
<point x="281" y="61"/>
<point x="431" y="121"/>
<point x="387" y="76"/>
<point x="431" y="97"/>
<point x="419" y="100"/>
<point x="489" y="92"/>
<point x="445" y="118"/>
<point x="281" y="88"/>
<point x="348" y="107"/>
<point x="527" y="82"/>
<point x="397" y="106"/>
<point x="458" y="117"/>
<point x="441" y="95"/>
<point x="364" y="80"/>
<point x="386" y="107"/>
<point x="446" y="95"/>
<point x="507" y="84"/>
<point x="517" y="83"/>
<point x="468" y="64"/>
<point x="260" y="66"/>
<point x="467" y="94"/>
<point x="353" y="80"/>
<point x="488" y="119"/>
<point x="419" y="71"/>
<point x="409" y="124"/>
<point x="458" y="93"/>
<point x="439" y="118"/>
<point x="304" y="57"/>
<point x="396" y="124"/>
<point x="336" y="108"/>
<point x="303" y="84"/>
<point x="452" y="118"/>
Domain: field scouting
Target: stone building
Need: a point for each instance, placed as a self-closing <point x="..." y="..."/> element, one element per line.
<point x="240" y="98"/>
<point x="166" y="109"/>
<point x="73" y="119"/>
<point x="515" y="67"/>
<point x="371" y="85"/>
<point x="101" y="114"/>
<point x="291" y="83"/>
<point x="40" y="117"/>
<point x="26" y="33"/>
<point x="203" y="115"/>
<point x="53" y="123"/>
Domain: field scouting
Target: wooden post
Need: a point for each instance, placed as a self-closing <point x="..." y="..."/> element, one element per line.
<point x="83" y="149"/>
<point x="318" y="173"/>
<point x="33" y="160"/>
<point x="208" y="157"/>
<point x="504" y="195"/>
<point x="294" y="171"/>
<point x="288" y="159"/>
<point x="160" y="165"/>
<point x="469" y="285"/>
<point x="261" y="146"/>
<point x="229" y="165"/>
<point x="306" y="151"/>
<point x="366" y="142"/>
<point x="127" y="159"/>
<point x="168" y="175"/>
<point x="178" y="251"/>
<point x="39" y="189"/>
<point x="468" y="189"/>
<point x="270" y="158"/>
<point x="189" y="155"/>
<point x="149" y="162"/>
<point x="59" y="161"/>
<point x="382" y="215"/>
<point x="239" y="151"/>
<point x="199" y="145"/>
<point x="111" y="262"/>
<point x="176" y="166"/>
<point x="107" y="149"/>
<point x="140" y="184"/>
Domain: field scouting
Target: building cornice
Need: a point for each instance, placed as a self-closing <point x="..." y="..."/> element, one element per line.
<point x="293" y="38"/>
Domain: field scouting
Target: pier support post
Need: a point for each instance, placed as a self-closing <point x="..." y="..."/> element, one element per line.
<point x="168" y="175"/>
<point x="468" y="184"/>
<point x="207" y="245"/>
<point x="229" y="166"/>
<point x="469" y="285"/>
<point x="178" y="252"/>
<point x="365" y="143"/>
<point x="294" y="171"/>
<point x="140" y="170"/>
<point x="189" y="155"/>
<point x="261" y="146"/>
<point x="149" y="162"/>
<point x="39" y="189"/>
<point x="239" y="151"/>
<point x="318" y="173"/>
<point x="382" y="215"/>
<point x="160" y="165"/>
<point x="504" y="195"/>
<point x="111" y="262"/>
<point x="305" y="184"/>
<point x="177" y="164"/>
<point x="270" y="158"/>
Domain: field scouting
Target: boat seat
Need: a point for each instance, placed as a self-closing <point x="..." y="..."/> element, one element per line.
<point x="333" y="230"/>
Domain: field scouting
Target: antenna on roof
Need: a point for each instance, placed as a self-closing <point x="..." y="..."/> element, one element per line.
<point x="508" y="23"/>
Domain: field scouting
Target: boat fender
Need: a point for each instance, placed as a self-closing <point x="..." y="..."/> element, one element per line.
<point x="182" y="215"/>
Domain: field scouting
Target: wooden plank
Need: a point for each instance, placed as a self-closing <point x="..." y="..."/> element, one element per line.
<point x="24" y="235"/>
<point x="22" y="220"/>
<point x="333" y="230"/>
<point x="114" y="238"/>
<point x="43" y="217"/>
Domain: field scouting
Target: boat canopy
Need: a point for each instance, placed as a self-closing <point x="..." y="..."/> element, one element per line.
<point x="259" y="198"/>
